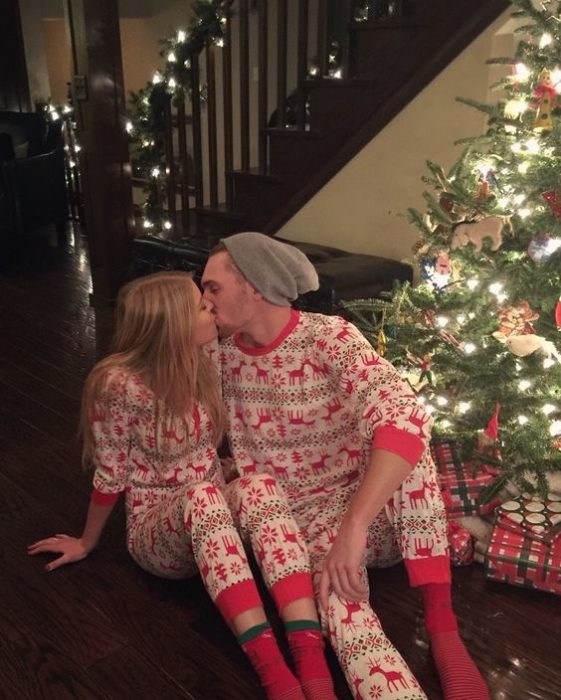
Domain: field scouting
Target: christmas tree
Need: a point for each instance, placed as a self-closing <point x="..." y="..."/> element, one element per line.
<point x="479" y="339"/>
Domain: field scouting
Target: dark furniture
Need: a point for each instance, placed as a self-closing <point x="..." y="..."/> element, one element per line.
<point x="342" y="275"/>
<point x="32" y="184"/>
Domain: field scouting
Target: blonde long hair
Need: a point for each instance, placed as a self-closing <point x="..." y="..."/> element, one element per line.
<point x="153" y="338"/>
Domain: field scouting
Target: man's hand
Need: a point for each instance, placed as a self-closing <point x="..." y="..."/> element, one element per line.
<point x="342" y="565"/>
<point x="71" y="549"/>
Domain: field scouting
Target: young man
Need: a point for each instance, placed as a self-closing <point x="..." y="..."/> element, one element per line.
<point x="310" y="402"/>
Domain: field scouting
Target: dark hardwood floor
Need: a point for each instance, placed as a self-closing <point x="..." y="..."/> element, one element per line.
<point x="104" y="629"/>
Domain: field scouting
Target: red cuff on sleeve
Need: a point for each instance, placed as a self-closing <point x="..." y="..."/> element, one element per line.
<point x="400" y="442"/>
<point x="104" y="499"/>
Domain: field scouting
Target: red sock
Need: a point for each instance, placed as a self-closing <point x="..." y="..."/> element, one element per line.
<point x="307" y="649"/>
<point x="277" y="679"/>
<point x="459" y="676"/>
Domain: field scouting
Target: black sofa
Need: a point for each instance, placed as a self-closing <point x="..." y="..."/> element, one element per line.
<point x="342" y="275"/>
<point x="32" y="182"/>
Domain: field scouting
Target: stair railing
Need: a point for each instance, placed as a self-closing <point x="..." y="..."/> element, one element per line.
<point x="250" y="81"/>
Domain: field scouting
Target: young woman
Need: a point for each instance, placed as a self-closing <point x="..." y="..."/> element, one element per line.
<point x="152" y="416"/>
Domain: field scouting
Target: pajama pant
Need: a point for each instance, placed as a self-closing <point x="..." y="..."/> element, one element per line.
<point x="193" y="531"/>
<point x="413" y="528"/>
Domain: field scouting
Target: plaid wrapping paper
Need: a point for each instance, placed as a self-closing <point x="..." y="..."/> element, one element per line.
<point x="539" y="518"/>
<point x="461" y="544"/>
<point x="461" y="483"/>
<point x="517" y="558"/>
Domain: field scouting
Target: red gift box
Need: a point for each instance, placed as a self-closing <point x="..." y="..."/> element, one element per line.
<point x="462" y="482"/>
<point x="539" y="518"/>
<point x="461" y="544"/>
<point x="515" y="557"/>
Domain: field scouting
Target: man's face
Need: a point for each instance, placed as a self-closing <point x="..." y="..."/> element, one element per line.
<point x="229" y="295"/>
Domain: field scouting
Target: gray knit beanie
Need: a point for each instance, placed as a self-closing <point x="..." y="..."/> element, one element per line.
<point x="279" y="271"/>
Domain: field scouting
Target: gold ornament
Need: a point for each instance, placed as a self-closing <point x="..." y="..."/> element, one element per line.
<point x="545" y="98"/>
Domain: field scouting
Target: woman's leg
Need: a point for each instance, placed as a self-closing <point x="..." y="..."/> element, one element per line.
<point x="264" y="517"/>
<point x="194" y="529"/>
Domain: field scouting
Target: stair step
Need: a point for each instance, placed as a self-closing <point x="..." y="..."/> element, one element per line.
<point x="220" y="212"/>
<point x="219" y="221"/>
<point x="304" y="134"/>
<point x="255" y="173"/>
<point x="339" y="83"/>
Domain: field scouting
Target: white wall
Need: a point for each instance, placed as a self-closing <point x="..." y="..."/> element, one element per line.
<point x="362" y="208"/>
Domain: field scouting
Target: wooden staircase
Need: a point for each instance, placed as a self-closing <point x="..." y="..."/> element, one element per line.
<point x="389" y="59"/>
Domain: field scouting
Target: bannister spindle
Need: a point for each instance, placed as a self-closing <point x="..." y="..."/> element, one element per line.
<point x="168" y="147"/>
<point x="263" y="83"/>
<point x="184" y="163"/>
<point x="322" y="39"/>
<point x="302" y="69"/>
<point x="244" y="83"/>
<point x="211" y="123"/>
<point x="348" y="6"/>
<point x="227" y="98"/>
<point x="197" y="140"/>
<point x="281" y="62"/>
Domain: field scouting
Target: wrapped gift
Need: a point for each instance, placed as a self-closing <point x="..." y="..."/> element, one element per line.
<point x="461" y="544"/>
<point x="539" y="518"/>
<point x="462" y="482"/>
<point x="516" y="557"/>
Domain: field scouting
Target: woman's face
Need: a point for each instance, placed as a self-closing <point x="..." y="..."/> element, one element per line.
<point x="204" y="328"/>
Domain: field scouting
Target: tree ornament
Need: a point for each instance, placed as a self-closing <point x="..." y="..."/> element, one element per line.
<point x="483" y="190"/>
<point x="545" y="101"/>
<point x="420" y="375"/>
<point x="477" y="231"/>
<point x="446" y="203"/>
<point x="490" y="435"/>
<point x="558" y="314"/>
<point x="542" y="247"/>
<point x="516" y="320"/>
<point x="524" y="345"/>
<point x="555" y="204"/>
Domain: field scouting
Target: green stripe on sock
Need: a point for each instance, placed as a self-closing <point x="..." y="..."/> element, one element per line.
<point x="253" y="632"/>
<point x="299" y="625"/>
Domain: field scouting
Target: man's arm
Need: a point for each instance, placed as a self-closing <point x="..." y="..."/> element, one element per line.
<point x="384" y="474"/>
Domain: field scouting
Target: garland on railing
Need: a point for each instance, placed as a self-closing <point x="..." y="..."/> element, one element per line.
<point x="145" y="125"/>
<point x="146" y="122"/>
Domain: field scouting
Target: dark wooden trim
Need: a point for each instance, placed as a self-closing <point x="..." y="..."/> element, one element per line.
<point x="244" y="82"/>
<point x="170" y="164"/>
<point x="227" y="99"/>
<point x="184" y="165"/>
<point x="322" y="38"/>
<point x="263" y="64"/>
<point x="211" y="124"/>
<point x="14" y="85"/>
<point x="302" y="62"/>
<point x="281" y="61"/>
<point x="197" y="138"/>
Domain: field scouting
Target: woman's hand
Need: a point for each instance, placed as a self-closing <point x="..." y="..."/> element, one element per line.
<point x="71" y="549"/>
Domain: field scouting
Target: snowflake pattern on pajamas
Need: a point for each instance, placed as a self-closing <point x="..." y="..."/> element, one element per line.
<point x="307" y="409"/>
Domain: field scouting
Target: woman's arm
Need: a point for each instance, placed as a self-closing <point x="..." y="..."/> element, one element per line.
<point x="74" y="549"/>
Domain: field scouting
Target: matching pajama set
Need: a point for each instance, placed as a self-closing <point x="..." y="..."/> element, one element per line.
<point x="307" y="409"/>
<point x="179" y="510"/>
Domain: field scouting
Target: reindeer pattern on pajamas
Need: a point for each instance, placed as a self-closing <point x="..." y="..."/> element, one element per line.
<point x="178" y="507"/>
<point x="308" y="409"/>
